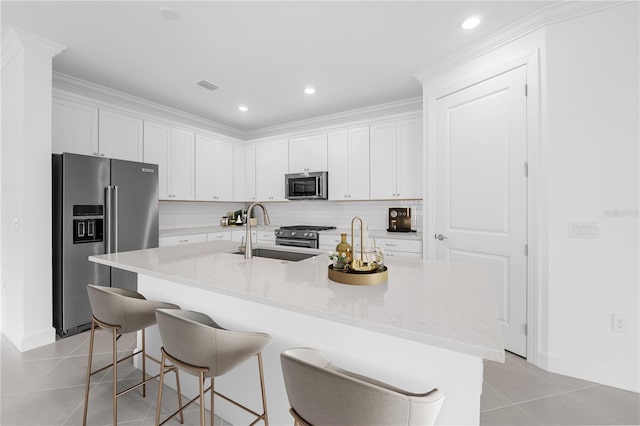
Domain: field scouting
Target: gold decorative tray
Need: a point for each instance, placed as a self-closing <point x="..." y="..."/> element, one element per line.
<point x="359" y="277"/>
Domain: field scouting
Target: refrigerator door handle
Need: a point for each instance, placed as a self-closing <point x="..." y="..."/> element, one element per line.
<point x="107" y="218"/>
<point x="115" y="218"/>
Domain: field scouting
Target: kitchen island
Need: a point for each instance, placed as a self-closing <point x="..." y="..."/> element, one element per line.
<point x="431" y="325"/>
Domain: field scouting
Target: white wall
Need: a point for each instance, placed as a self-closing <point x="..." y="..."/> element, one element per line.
<point x="592" y="109"/>
<point x="585" y="171"/>
<point x="26" y="189"/>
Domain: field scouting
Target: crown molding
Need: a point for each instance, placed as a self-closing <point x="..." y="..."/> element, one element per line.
<point x="555" y="13"/>
<point x="95" y="91"/>
<point x="73" y="88"/>
<point x="351" y="117"/>
<point x="16" y="39"/>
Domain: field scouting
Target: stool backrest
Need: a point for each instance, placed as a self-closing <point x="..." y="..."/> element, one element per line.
<point x="124" y="308"/>
<point x="323" y="394"/>
<point x="194" y="338"/>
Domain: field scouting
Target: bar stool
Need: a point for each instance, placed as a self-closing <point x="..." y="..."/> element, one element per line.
<point x="322" y="394"/>
<point x="121" y="311"/>
<point x="194" y="342"/>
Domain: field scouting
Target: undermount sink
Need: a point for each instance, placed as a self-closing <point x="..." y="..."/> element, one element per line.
<point x="279" y="254"/>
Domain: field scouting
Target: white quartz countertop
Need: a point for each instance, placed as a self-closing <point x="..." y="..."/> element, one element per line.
<point x="445" y="304"/>
<point x="376" y="234"/>
<point x="205" y="229"/>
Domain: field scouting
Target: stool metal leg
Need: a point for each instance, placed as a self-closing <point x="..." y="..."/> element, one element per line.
<point x="115" y="377"/>
<point x="201" y="398"/>
<point x="144" y="366"/>
<point x="212" y="395"/>
<point x="262" y="389"/>
<point x="89" y="362"/>
<point x="160" y="388"/>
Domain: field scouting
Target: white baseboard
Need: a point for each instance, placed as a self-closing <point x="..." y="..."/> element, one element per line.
<point x="24" y="342"/>
<point x="622" y="379"/>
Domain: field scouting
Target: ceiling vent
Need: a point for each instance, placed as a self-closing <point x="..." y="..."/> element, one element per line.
<point x="207" y="85"/>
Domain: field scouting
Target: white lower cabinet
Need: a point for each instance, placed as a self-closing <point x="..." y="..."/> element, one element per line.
<point x="406" y="248"/>
<point x="182" y="239"/>
<point x="390" y="246"/>
<point x="219" y="236"/>
<point x="266" y="237"/>
<point x="239" y="235"/>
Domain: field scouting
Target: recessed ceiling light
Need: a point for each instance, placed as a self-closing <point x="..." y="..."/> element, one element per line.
<point x="470" y="23"/>
<point x="169" y="13"/>
<point x="243" y="108"/>
<point x="309" y="90"/>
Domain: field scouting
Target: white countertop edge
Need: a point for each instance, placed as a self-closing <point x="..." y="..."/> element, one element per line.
<point x="482" y="352"/>
<point x="171" y="232"/>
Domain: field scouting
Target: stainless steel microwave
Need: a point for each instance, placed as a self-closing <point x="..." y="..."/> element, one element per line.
<point x="306" y="186"/>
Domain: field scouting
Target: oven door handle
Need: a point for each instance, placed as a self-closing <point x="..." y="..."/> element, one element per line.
<point x="295" y="243"/>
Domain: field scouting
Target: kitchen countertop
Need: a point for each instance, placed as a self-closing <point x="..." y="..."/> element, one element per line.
<point x="376" y="234"/>
<point x="205" y="229"/>
<point x="445" y="304"/>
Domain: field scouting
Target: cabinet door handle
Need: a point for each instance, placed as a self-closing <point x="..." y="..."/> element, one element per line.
<point x="389" y="245"/>
<point x="183" y="241"/>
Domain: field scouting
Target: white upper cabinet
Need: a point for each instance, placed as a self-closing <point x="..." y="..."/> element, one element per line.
<point x="409" y="159"/>
<point x="272" y="163"/>
<point x="172" y="150"/>
<point x="238" y="173"/>
<point x="396" y="158"/>
<point x="223" y="171"/>
<point x="383" y="161"/>
<point x="250" y="172"/>
<point x="181" y="165"/>
<point x="120" y="136"/>
<point x="157" y="139"/>
<point x="308" y="154"/>
<point x="214" y="169"/>
<point x="74" y="128"/>
<point x="348" y="164"/>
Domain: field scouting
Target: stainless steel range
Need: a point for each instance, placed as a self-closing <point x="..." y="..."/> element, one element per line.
<point x="299" y="235"/>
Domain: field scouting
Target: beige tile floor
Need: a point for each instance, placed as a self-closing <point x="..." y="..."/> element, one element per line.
<point x="45" y="386"/>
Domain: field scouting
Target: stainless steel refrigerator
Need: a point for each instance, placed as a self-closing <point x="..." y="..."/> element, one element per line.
<point x="100" y="206"/>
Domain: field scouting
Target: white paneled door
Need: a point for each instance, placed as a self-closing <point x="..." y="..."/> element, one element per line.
<point x="481" y="190"/>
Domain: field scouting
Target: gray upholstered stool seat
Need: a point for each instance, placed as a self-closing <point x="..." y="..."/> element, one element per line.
<point x="121" y="311"/>
<point x="322" y="394"/>
<point x="194" y="342"/>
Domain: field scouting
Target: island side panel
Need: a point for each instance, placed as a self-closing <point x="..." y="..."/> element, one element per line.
<point x="406" y="364"/>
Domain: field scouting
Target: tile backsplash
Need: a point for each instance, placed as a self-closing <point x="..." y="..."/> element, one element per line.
<point x="175" y="214"/>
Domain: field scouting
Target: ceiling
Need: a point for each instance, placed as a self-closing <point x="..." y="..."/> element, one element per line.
<point x="261" y="54"/>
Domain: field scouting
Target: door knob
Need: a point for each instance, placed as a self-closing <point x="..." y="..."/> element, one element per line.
<point x="440" y="237"/>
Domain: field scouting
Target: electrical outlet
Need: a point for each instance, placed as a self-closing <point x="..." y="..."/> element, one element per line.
<point x="584" y="230"/>
<point x="618" y="323"/>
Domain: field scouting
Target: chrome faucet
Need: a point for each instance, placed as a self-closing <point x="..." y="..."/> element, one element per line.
<point x="248" y="243"/>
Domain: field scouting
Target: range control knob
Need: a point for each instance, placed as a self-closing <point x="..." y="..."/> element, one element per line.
<point x="307" y="234"/>
<point x="293" y="233"/>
